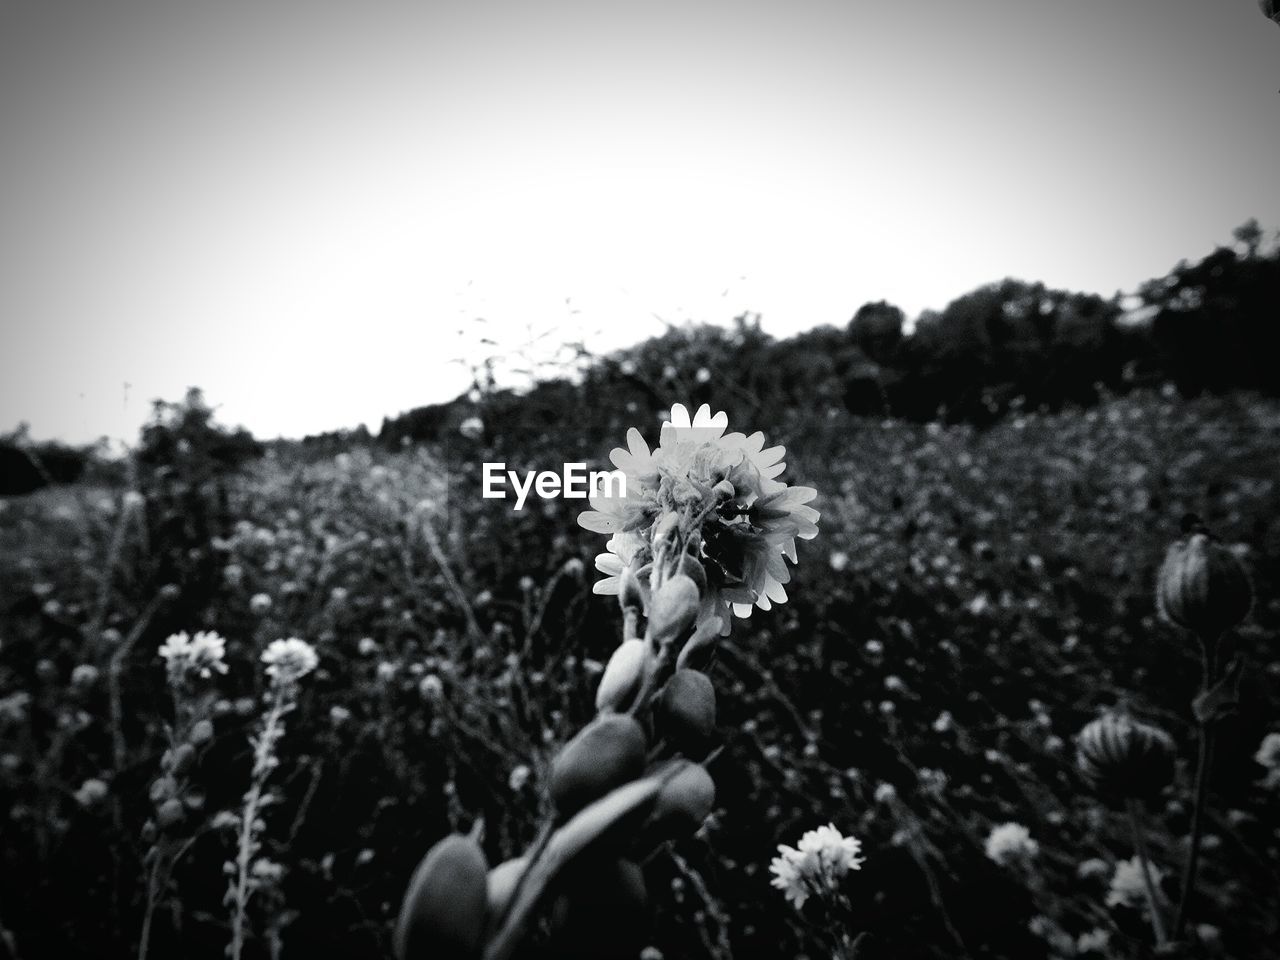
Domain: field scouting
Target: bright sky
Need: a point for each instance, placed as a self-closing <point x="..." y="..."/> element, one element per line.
<point x="296" y="205"/>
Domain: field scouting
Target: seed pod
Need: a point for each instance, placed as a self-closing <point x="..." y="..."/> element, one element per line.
<point x="673" y="609"/>
<point x="602" y="912"/>
<point x="1202" y="587"/>
<point x="444" y="911"/>
<point x="1124" y="758"/>
<point x="621" y="676"/>
<point x="686" y="713"/>
<point x="604" y="755"/>
<point x="502" y="882"/>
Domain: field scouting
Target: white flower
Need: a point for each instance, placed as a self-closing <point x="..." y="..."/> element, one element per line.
<point x="816" y="865"/>
<point x="1011" y="843"/>
<point x="1095" y="941"/>
<point x="289" y="660"/>
<point x="186" y="656"/>
<point x="1128" y="887"/>
<point x="748" y="519"/>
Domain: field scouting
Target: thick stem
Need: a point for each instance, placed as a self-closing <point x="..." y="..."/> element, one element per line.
<point x="1153" y="900"/>
<point x="1204" y="760"/>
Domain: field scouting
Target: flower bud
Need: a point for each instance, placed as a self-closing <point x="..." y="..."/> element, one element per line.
<point x="201" y="732"/>
<point x="169" y="813"/>
<point x="674" y="607"/>
<point x="604" y="755"/>
<point x="445" y="907"/>
<point x="697" y="652"/>
<point x="1123" y="758"/>
<point x="685" y="802"/>
<point x="621" y="676"/>
<point x="630" y="592"/>
<point x="686" y="712"/>
<point x="1202" y="587"/>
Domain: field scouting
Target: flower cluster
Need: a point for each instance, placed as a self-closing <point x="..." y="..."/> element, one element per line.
<point x="816" y="865"/>
<point x="735" y="517"/>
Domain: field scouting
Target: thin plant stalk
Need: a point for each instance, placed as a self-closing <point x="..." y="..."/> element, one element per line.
<point x="1204" y="761"/>
<point x="1148" y="881"/>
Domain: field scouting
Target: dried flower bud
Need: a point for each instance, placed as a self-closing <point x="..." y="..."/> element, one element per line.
<point x="445" y="908"/>
<point x="1203" y="587"/>
<point x="621" y="676"/>
<point x="686" y="712"/>
<point x="674" y="607"/>
<point x="604" y="755"/>
<point x="1122" y="757"/>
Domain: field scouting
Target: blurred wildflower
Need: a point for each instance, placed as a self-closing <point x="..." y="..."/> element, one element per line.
<point x="839" y="560"/>
<point x="187" y="657"/>
<point x="815" y="867"/>
<point x="472" y="428"/>
<point x="259" y="604"/>
<point x="1011" y="843"/>
<point x="1092" y="868"/>
<point x="1093" y="941"/>
<point x="1123" y="757"/>
<point x="1128" y="888"/>
<point x="289" y="660"/>
<point x="518" y="777"/>
<point x="91" y="792"/>
<point x="84" y="675"/>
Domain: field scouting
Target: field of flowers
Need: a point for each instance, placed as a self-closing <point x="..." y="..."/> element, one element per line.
<point x="973" y="598"/>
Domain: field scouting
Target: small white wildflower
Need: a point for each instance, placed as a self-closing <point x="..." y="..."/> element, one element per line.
<point x="1268" y="754"/>
<point x="259" y="604"/>
<point x="430" y="688"/>
<point x="289" y="660"/>
<point x="885" y="793"/>
<point x="84" y="675"/>
<point x="518" y="778"/>
<point x="944" y="722"/>
<point x="816" y="865"/>
<point x="1128" y="886"/>
<point x="1011" y="843"/>
<point x="1095" y="941"/>
<point x="367" y="646"/>
<point x="91" y="792"/>
<point x="839" y="560"/>
<point x="186" y="656"/>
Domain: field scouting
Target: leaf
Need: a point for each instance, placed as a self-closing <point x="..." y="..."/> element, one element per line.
<point x="589" y="826"/>
<point x="1223" y="697"/>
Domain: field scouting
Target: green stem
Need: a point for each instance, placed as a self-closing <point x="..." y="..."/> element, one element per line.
<point x="1153" y="901"/>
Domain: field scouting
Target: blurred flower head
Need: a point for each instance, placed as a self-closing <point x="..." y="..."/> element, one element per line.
<point x="1011" y="843"/>
<point x="289" y="660"/>
<point x="188" y="657"/>
<point x="1128" y="888"/>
